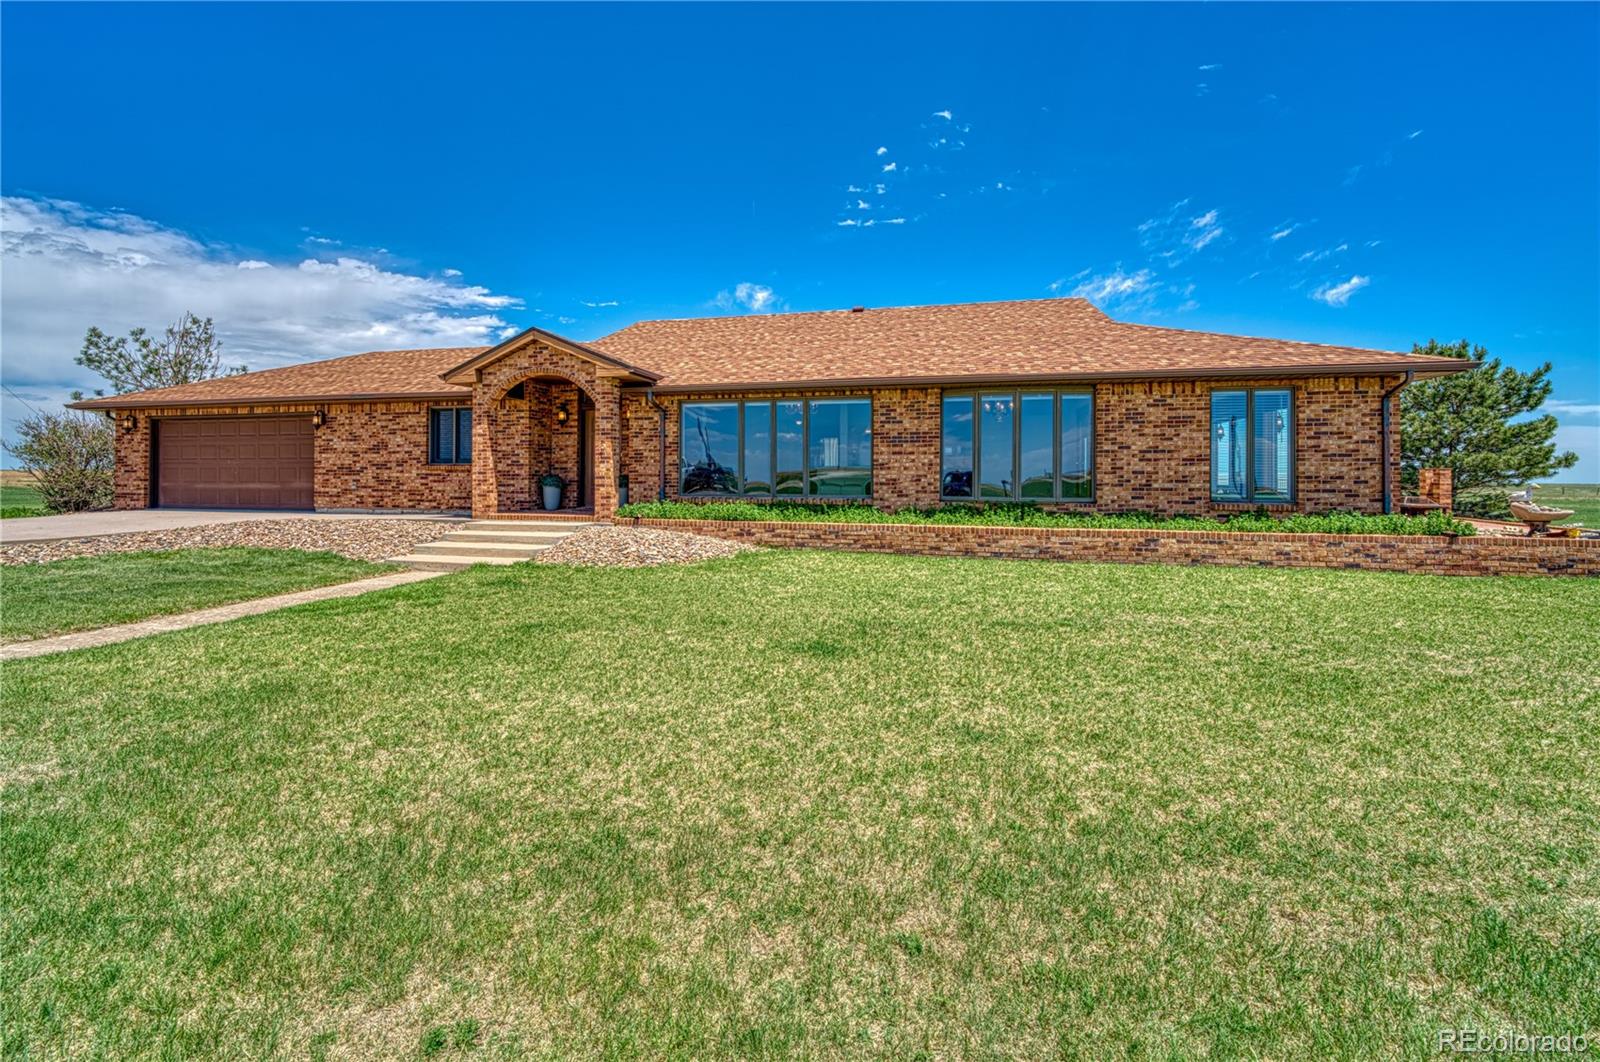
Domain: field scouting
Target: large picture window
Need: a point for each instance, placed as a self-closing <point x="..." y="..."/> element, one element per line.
<point x="1017" y="446"/>
<point x="820" y="447"/>
<point x="450" y="436"/>
<point x="1252" y="446"/>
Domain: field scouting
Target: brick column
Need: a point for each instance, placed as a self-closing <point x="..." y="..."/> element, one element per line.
<point x="501" y="451"/>
<point x="1435" y="485"/>
<point x="607" y="446"/>
<point x="130" y="474"/>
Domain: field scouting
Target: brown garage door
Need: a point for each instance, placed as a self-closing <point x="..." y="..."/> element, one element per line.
<point x="234" y="462"/>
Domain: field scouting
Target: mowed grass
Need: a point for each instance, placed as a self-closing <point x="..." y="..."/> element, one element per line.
<point x="18" y="499"/>
<point x="87" y="592"/>
<point x="1582" y="498"/>
<point x="817" y="804"/>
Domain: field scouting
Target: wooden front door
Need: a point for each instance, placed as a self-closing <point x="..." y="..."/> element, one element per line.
<point x="585" y="453"/>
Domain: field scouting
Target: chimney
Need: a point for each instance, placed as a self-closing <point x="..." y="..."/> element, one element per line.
<point x="858" y="309"/>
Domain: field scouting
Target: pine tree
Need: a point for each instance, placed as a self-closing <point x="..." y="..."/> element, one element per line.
<point x="1468" y="422"/>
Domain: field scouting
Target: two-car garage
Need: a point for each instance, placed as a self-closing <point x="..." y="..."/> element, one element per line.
<point x="262" y="462"/>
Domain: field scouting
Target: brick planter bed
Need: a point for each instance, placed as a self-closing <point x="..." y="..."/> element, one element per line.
<point x="1421" y="554"/>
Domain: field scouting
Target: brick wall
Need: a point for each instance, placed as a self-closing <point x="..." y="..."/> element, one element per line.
<point x="1435" y="484"/>
<point x="1152" y="444"/>
<point x="1420" y="554"/>
<point x="505" y="430"/>
<point x="368" y="455"/>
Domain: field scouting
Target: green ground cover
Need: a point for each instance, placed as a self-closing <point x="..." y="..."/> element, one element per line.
<point x="88" y="592"/>
<point x="806" y="803"/>
<point x="1032" y="516"/>
<point x="20" y="501"/>
<point x="1582" y="498"/>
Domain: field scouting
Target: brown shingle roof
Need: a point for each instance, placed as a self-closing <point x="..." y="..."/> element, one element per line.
<point x="1045" y="338"/>
<point x="1040" y="338"/>
<point x="379" y="374"/>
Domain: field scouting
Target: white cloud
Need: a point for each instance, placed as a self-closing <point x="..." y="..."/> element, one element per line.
<point x="598" y="305"/>
<point x="881" y="151"/>
<point x="748" y="296"/>
<point x="889" y="167"/>
<point x="1116" y="288"/>
<point x="1175" y="235"/>
<point x="1563" y="408"/>
<point x="862" y="204"/>
<point x="853" y="188"/>
<point x="452" y="272"/>
<point x="1583" y="440"/>
<point x="1339" y="294"/>
<point x="880" y="188"/>
<point x="1414" y="135"/>
<point x="1211" y="66"/>
<point x="848" y="222"/>
<point x="894" y="221"/>
<point x="945" y="114"/>
<point x="68" y="266"/>
<point x="1281" y="233"/>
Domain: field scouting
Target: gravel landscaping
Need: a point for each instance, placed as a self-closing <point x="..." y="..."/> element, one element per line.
<point x="358" y="539"/>
<point x="636" y="547"/>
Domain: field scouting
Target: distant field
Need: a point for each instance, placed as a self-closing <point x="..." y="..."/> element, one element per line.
<point x="1582" y="498"/>
<point x="18" y="495"/>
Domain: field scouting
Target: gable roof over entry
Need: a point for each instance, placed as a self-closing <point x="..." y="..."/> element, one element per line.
<point x="968" y="343"/>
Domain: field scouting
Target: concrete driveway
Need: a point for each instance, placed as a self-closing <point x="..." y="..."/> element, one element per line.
<point x="122" y="521"/>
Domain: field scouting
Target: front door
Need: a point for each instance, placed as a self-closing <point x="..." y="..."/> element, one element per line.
<point x="585" y="453"/>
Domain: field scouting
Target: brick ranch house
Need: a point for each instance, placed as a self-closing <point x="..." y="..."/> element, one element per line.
<point x="1045" y="401"/>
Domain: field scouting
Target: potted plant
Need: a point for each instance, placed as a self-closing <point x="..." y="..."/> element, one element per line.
<point x="622" y="490"/>
<point x="551" y="484"/>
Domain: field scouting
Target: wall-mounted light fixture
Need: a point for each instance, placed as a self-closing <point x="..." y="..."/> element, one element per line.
<point x="318" y="418"/>
<point x="561" y="413"/>
<point x="127" y="422"/>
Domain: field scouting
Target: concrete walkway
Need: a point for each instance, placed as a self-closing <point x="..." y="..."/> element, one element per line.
<point x="62" y="643"/>
<point x="123" y="521"/>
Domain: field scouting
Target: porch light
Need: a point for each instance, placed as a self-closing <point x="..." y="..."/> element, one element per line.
<point x="561" y="413"/>
<point x="127" y="422"/>
<point x="318" y="418"/>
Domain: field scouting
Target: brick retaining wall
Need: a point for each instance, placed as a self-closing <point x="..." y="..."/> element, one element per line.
<point x="1423" y="554"/>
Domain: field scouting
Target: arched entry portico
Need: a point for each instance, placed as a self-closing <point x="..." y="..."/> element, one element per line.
<point x="517" y="436"/>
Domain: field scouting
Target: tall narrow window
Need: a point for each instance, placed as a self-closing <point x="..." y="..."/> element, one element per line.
<point x="1036" y="446"/>
<point x="1077" y="445"/>
<point x="956" y="446"/>
<point x="450" y="436"/>
<point x="709" y="448"/>
<point x="996" y="421"/>
<point x="839" y="447"/>
<point x="1252" y="446"/>
<point x="757" y="448"/>
<point x="1269" y="477"/>
<point x="790" y="432"/>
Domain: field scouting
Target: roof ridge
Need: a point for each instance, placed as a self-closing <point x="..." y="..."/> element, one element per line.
<point x="852" y="311"/>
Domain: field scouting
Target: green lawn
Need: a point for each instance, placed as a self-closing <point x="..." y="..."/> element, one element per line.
<point x="815" y="803"/>
<point x="1582" y="498"/>
<point x="75" y="595"/>
<point x="20" y="501"/>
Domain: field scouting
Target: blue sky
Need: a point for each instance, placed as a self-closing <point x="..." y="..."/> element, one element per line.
<point x="326" y="180"/>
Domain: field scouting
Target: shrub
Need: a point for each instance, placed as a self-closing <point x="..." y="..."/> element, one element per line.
<point x="70" y="455"/>
<point x="1332" y="523"/>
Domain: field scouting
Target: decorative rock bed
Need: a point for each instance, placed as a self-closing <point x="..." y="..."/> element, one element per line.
<point x="370" y="540"/>
<point x="637" y="547"/>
